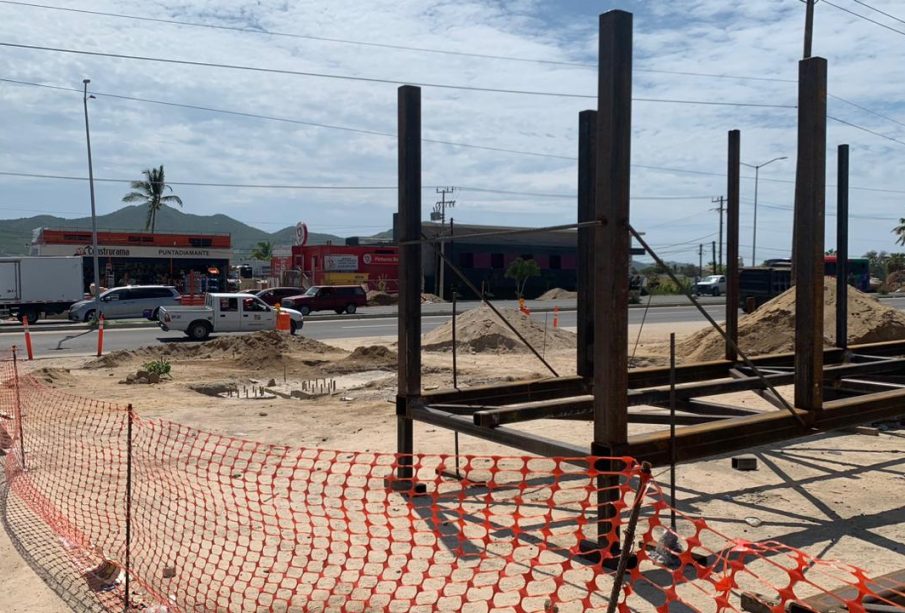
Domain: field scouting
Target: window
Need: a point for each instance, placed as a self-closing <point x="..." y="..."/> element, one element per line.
<point x="555" y="262"/>
<point x="466" y="260"/>
<point x="253" y="304"/>
<point x="229" y="305"/>
<point x="200" y="242"/>
<point x="497" y="260"/>
<point x="160" y="292"/>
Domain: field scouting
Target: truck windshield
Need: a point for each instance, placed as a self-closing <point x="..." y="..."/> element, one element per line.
<point x="712" y="279"/>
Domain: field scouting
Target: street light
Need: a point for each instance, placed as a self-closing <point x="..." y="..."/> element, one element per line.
<point x="97" y="276"/>
<point x="756" y="177"/>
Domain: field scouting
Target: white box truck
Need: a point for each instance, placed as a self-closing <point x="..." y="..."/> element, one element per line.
<point x="32" y="287"/>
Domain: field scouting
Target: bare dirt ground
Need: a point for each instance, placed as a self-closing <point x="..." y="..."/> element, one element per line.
<point x="835" y="495"/>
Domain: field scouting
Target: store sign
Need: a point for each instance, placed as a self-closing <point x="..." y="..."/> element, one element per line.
<point x="134" y="252"/>
<point x="340" y="263"/>
<point x="301" y="234"/>
<point x="380" y="259"/>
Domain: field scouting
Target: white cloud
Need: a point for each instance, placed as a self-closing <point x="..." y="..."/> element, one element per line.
<point x="45" y="133"/>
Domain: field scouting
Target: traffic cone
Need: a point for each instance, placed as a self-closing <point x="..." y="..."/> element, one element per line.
<point x="555" y="316"/>
<point x="100" y="336"/>
<point x="31" y="355"/>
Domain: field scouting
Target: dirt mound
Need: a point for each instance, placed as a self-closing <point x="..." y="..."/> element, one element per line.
<point x="261" y="349"/>
<point x="481" y="330"/>
<point x="376" y="298"/>
<point x="372" y="353"/>
<point x="771" y="328"/>
<point x="431" y="298"/>
<point x="557" y="293"/>
<point x="369" y="357"/>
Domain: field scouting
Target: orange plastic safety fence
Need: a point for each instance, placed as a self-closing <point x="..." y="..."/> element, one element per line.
<point x="226" y="524"/>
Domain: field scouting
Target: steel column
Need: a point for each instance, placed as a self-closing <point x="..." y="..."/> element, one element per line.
<point x="732" y="290"/>
<point x="810" y="188"/>
<point x="587" y="148"/>
<point x="409" y="220"/>
<point x="842" y="248"/>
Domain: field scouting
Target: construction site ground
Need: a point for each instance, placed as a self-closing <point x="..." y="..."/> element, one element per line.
<point x="836" y="495"/>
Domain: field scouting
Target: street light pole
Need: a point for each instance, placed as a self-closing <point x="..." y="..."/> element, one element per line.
<point x="97" y="276"/>
<point x="756" y="180"/>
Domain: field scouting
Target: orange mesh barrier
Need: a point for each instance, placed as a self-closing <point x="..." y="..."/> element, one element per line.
<point x="224" y="524"/>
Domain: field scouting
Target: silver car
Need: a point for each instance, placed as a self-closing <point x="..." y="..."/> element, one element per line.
<point x="128" y="302"/>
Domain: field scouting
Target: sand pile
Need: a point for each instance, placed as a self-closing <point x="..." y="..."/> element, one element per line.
<point x="261" y="349"/>
<point x="377" y="298"/>
<point x="557" y="293"/>
<point x="771" y="328"/>
<point x="480" y="330"/>
<point x="431" y="298"/>
<point x="368" y="357"/>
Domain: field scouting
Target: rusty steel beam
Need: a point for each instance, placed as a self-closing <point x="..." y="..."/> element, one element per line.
<point x="729" y="435"/>
<point x="524" y="441"/>
<point x="842" y="247"/>
<point x="732" y="288"/>
<point x="587" y="190"/>
<point x="810" y="188"/>
<point x="408" y="228"/>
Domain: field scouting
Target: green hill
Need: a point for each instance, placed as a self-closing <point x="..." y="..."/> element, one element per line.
<point x="16" y="234"/>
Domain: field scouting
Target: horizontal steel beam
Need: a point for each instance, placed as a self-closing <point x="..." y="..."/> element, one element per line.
<point x="726" y="436"/>
<point x="531" y="443"/>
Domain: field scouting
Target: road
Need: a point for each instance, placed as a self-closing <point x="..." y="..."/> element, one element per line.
<point x="46" y="338"/>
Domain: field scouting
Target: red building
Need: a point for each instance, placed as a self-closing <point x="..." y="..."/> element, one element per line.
<point x="374" y="265"/>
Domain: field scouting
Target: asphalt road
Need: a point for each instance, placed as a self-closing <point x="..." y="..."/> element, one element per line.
<point x="45" y="339"/>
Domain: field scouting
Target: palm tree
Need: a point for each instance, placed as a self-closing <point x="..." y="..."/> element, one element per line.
<point x="899" y="231"/>
<point x="150" y="192"/>
<point x="262" y="251"/>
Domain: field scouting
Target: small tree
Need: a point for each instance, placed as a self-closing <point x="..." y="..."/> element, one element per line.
<point x="521" y="270"/>
<point x="899" y="231"/>
<point x="262" y="251"/>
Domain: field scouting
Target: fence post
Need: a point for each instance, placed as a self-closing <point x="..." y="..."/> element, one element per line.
<point x="18" y="408"/>
<point x="128" y="564"/>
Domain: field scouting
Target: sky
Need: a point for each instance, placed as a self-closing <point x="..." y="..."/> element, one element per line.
<point x="339" y="176"/>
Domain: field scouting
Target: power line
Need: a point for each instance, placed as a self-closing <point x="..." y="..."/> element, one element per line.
<point x="863" y="129"/>
<point x="261" y="31"/>
<point x="873" y="8"/>
<point x="489" y="190"/>
<point x="324" y="75"/>
<point x="864" y="17"/>
<point x="867" y="110"/>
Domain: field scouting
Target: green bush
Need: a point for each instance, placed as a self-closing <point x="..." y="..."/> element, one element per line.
<point x="160" y="367"/>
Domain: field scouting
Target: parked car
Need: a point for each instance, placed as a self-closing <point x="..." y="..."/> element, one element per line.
<point x="275" y="295"/>
<point x="126" y="302"/>
<point x="714" y="285"/>
<point x="339" y="298"/>
<point x="225" y="313"/>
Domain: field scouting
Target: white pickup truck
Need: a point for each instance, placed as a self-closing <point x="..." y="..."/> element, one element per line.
<point x="225" y="313"/>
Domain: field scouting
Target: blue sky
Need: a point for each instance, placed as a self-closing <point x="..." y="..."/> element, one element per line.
<point x="44" y="129"/>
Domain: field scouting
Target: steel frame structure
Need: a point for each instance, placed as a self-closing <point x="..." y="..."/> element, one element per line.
<point x="834" y="388"/>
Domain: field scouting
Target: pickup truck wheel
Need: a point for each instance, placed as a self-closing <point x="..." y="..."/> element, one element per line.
<point x="89" y="316"/>
<point x="350" y="309"/>
<point x="305" y="310"/>
<point x="199" y="330"/>
<point x="293" y="328"/>
<point x="716" y="291"/>
<point x="30" y="315"/>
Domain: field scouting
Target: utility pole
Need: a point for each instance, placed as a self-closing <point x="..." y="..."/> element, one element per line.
<point x="713" y="262"/>
<point x="808" y="26"/>
<point x="439" y="214"/>
<point x="97" y="276"/>
<point x="720" y="208"/>
<point x="701" y="261"/>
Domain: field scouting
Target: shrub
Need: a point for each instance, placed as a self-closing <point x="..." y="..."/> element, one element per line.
<point x="159" y="366"/>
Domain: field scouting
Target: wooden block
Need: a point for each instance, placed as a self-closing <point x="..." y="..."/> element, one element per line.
<point x="744" y="463"/>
